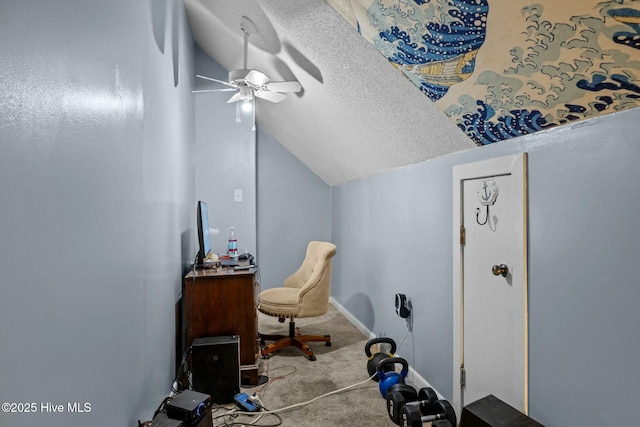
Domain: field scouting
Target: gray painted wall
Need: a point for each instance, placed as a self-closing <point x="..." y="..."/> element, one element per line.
<point x="96" y="213"/>
<point x="394" y="234"/>
<point x="294" y="207"/>
<point x="225" y="161"/>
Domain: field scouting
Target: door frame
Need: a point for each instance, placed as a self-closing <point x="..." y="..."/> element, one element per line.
<point x="515" y="165"/>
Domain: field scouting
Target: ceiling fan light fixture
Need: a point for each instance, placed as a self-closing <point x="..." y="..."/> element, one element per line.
<point x="244" y="106"/>
<point x="247" y="105"/>
<point x="246" y="96"/>
<point x="246" y="93"/>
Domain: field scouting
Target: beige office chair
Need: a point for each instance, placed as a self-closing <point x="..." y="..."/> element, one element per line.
<point x="305" y="294"/>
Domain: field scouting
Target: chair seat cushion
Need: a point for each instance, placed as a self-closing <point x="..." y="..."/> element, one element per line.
<point x="281" y="302"/>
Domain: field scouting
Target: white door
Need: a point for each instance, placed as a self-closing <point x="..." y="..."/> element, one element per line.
<point x="490" y="282"/>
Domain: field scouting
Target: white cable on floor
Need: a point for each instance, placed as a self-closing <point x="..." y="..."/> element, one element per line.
<point x="286" y="408"/>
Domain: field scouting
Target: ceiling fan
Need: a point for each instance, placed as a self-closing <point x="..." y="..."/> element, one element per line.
<point x="249" y="83"/>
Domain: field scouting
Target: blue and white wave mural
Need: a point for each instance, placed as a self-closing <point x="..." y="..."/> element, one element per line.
<point x="501" y="69"/>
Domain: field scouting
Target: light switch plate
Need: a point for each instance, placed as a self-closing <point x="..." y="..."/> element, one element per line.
<point x="237" y="195"/>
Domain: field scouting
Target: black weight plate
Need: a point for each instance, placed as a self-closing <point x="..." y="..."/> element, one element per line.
<point x="447" y="410"/>
<point x="427" y="397"/>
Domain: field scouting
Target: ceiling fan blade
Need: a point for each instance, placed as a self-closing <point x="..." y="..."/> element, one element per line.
<point x="256" y="78"/>
<point x="270" y="96"/>
<point x="216" y="80"/>
<point x="251" y="77"/>
<point x="234" y="98"/>
<point x="292" y="86"/>
<point x="213" y="90"/>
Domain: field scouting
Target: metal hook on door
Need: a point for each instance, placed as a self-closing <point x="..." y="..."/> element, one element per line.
<point x="486" y="218"/>
<point x="487" y="194"/>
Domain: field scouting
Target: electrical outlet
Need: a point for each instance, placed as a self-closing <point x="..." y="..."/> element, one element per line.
<point x="237" y="195"/>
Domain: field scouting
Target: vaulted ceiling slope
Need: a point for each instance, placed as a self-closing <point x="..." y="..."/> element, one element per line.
<point x="355" y="116"/>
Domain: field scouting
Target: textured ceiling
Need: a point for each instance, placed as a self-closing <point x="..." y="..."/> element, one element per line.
<point x="356" y="115"/>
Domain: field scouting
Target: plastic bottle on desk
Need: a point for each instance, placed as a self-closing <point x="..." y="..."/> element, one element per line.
<point x="232" y="247"/>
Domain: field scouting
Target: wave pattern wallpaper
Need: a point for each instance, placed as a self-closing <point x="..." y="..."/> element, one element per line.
<point x="504" y="68"/>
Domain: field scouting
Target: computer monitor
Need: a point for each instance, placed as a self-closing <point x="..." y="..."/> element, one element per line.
<point x="204" y="241"/>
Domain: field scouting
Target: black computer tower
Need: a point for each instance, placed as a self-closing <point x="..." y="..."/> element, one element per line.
<point x="215" y="367"/>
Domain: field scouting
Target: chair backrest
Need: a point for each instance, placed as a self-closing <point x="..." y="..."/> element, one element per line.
<point x="313" y="278"/>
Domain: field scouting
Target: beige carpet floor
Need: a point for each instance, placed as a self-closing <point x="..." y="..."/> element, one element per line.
<point x="293" y="379"/>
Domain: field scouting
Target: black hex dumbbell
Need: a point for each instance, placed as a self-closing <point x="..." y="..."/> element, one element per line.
<point x="410" y="415"/>
<point x="397" y="399"/>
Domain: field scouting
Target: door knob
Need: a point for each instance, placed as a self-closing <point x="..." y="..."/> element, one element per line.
<point x="500" y="270"/>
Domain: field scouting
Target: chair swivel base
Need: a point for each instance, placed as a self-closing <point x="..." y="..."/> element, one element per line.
<point x="294" y="339"/>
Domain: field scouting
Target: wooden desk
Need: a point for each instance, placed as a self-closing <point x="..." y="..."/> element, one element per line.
<point x="223" y="302"/>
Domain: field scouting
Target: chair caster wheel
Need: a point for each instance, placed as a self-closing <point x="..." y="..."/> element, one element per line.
<point x="328" y="344"/>
<point x="312" y="358"/>
<point x="266" y="356"/>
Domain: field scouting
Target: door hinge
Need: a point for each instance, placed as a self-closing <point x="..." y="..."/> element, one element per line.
<point x="462" y="235"/>
<point x="462" y="376"/>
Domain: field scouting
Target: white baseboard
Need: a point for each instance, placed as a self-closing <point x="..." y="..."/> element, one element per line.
<point x="355" y="322"/>
<point x="417" y="379"/>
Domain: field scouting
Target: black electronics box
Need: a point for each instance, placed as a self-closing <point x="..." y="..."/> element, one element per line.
<point x="162" y="420"/>
<point x="493" y="412"/>
<point x="190" y="407"/>
<point x="215" y="367"/>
